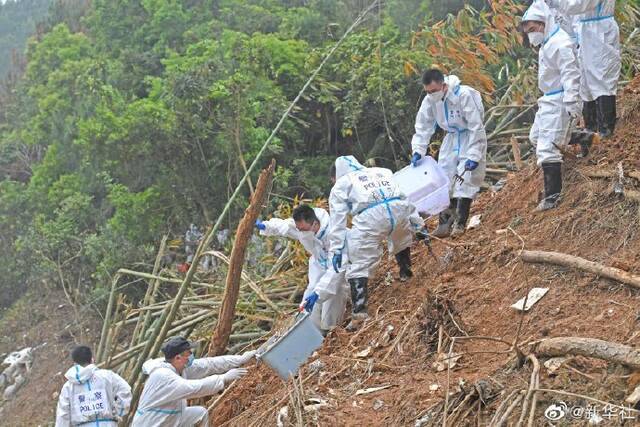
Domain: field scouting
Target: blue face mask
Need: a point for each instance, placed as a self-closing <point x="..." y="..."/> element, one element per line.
<point x="190" y="360"/>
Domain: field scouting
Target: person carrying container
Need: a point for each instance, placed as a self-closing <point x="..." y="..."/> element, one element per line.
<point x="458" y="110"/>
<point x="327" y="292"/>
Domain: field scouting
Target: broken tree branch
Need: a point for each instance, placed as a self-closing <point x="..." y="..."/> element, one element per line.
<point x="567" y="260"/>
<point x="220" y="337"/>
<point x="589" y="347"/>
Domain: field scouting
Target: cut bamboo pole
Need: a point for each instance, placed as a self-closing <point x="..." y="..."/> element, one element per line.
<point x="220" y="336"/>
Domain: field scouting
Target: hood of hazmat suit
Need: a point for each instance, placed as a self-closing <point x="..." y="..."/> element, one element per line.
<point x="92" y="395"/>
<point x="461" y="114"/>
<point x="379" y="210"/>
<point x="164" y="397"/>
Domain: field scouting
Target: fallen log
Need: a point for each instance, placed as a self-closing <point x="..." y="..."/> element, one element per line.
<point x="567" y="260"/>
<point x="589" y="347"/>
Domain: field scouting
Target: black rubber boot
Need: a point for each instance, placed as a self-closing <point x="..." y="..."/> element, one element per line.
<point x="606" y="107"/>
<point x="403" y="258"/>
<point x="590" y="116"/>
<point x="445" y="221"/>
<point x="462" y="216"/>
<point x="359" y="296"/>
<point x="552" y="186"/>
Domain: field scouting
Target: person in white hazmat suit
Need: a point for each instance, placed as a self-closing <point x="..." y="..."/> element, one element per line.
<point x="180" y="376"/>
<point x="598" y="36"/>
<point x="559" y="82"/>
<point x="458" y="110"/>
<point x="91" y="396"/>
<point x="379" y="212"/>
<point x="327" y="292"/>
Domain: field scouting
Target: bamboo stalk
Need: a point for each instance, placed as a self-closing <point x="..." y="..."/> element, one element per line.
<point x="107" y="317"/>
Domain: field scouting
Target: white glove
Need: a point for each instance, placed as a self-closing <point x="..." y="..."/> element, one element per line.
<point x="247" y="356"/>
<point x="574" y="108"/>
<point x="234" y="374"/>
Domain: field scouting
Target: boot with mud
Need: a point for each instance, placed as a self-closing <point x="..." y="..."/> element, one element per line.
<point x="606" y="113"/>
<point x="461" y="217"/>
<point x="585" y="138"/>
<point x="445" y="221"/>
<point x="359" y="297"/>
<point x="403" y="258"/>
<point x="552" y="186"/>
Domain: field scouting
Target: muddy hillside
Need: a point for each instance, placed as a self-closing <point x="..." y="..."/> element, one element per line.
<point x="447" y="343"/>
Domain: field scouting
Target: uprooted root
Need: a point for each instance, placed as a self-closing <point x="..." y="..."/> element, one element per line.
<point x="438" y="313"/>
<point x="464" y="407"/>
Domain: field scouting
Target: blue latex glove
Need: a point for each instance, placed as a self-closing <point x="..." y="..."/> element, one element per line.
<point x="470" y="165"/>
<point x="260" y="225"/>
<point x="310" y="302"/>
<point x="337" y="261"/>
<point x="415" y="159"/>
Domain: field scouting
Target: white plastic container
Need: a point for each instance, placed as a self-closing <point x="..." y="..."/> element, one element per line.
<point x="288" y="352"/>
<point x="425" y="185"/>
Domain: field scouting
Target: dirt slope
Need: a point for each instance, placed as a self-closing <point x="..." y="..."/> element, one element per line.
<point x="45" y="320"/>
<point x="474" y="282"/>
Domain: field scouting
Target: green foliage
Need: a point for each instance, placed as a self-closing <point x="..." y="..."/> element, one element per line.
<point x="18" y="19"/>
<point x="141" y="116"/>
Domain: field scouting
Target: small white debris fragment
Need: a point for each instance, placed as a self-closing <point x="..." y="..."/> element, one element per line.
<point x="445" y="360"/>
<point x="371" y="390"/>
<point x="364" y="353"/>
<point x="535" y="295"/>
<point x="474" y="222"/>
<point x="554" y="364"/>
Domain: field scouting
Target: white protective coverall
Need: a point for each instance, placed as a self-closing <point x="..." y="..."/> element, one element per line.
<point x="92" y="397"/>
<point x="332" y="288"/>
<point x="599" y="38"/>
<point x="164" y="398"/>
<point x="461" y="115"/>
<point x="379" y="211"/>
<point x="559" y="81"/>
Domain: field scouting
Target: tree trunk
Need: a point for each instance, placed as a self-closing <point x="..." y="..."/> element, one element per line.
<point x="582" y="264"/>
<point x="220" y="337"/>
<point x="590" y="347"/>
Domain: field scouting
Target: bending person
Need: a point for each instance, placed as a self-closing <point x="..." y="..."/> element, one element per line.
<point x="380" y="212"/>
<point x="180" y="376"/>
<point x="327" y="292"/>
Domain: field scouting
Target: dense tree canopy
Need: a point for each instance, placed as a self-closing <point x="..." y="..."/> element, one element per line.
<point x="135" y="118"/>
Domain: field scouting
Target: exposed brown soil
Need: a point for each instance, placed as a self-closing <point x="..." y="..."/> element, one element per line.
<point x="39" y="318"/>
<point x="479" y="276"/>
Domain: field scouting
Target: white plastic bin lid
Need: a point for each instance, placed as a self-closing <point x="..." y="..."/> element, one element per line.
<point x="425" y="185"/>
